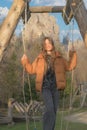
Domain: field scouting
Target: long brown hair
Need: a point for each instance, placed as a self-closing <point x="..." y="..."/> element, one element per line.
<point x="46" y="55"/>
<point x="51" y="42"/>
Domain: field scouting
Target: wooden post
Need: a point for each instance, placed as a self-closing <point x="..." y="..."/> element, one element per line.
<point x="80" y="14"/>
<point x="10" y="23"/>
<point x="77" y="9"/>
<point x="10" y="110"/>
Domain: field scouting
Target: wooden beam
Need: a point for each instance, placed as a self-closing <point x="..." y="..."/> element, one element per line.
<point x="8" y="27"/>
<point x="46" y="9"/>
<point x="41" y="9"/>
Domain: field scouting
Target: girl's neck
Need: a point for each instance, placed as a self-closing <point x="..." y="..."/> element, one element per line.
<point x="49" y="52"/>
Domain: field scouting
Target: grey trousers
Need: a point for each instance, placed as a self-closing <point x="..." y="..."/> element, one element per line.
<point x="50" y="98"/>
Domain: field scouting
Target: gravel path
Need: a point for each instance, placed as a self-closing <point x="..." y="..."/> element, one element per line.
<point x="77" y="117"/>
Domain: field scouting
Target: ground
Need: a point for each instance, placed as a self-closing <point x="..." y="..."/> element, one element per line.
<point x="80" y="117"/>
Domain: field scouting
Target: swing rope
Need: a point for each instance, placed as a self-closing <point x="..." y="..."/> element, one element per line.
<point x="71" y="86"/>
<point x="72" y="75"/>
<point x="29" y="84"/>
<point x="72" y="72"/>
<point x="23" y="40"/>
<point x="62" y="114"/>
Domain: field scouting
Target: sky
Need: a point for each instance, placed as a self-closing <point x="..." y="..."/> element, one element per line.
<point x="64" y="29"/>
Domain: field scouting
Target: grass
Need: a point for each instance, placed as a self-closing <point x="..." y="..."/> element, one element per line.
<point x="65" y="125"/>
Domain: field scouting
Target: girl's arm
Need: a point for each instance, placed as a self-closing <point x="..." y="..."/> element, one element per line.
<point x="71" y="64"/>
<point x="30" y="68"/>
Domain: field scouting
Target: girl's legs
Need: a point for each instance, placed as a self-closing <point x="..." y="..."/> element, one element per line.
<point x="51" y="102"/>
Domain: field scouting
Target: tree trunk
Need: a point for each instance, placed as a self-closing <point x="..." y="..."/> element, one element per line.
<point x="8" y="27"/>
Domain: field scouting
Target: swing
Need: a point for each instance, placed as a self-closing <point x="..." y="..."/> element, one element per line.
<point x="29" y="81"/>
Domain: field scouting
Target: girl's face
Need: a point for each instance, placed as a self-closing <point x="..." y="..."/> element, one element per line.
<point x="48" y="46"/>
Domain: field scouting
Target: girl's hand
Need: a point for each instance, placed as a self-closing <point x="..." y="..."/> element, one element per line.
<point x="24" y="60"/>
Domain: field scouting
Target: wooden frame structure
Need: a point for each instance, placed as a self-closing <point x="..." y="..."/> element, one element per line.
<point x="74" y="8"/>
